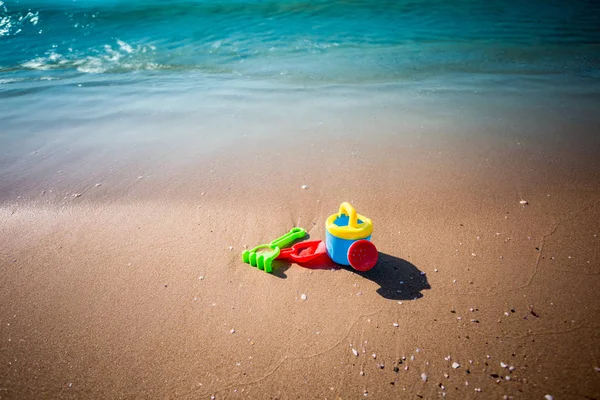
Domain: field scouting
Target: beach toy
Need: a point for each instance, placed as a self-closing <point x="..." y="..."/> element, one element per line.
<point x="362" y="255"/>
<point x="310" y="254"/>
<point x="346" y="234"/>
<point x="262" y="256"/>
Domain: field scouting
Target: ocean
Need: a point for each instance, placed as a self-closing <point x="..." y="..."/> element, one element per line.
<point x="298" y="42"/>
<point x="110" y="77"/>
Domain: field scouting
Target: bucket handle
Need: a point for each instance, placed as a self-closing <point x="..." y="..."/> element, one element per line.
<point x="346" y="208"/>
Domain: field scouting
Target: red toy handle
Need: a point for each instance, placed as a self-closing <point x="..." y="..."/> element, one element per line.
<point x="286" y="254"/>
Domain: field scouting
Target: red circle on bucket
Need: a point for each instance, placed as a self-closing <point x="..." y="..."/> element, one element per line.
<point x="362" y="255"/>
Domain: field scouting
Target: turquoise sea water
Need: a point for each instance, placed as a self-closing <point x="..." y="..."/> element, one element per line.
<point x="323" y="41"/>
<point x="170" y="70"/>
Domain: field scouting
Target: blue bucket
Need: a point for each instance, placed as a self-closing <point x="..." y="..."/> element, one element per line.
<point x="343" y="229"/>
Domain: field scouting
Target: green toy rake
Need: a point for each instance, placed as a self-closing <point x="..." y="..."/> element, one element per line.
<point x="262" y="256"/>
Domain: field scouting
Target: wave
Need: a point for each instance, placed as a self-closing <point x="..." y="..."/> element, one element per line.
<point x="121" y="58"/>
<point x="315" y="62"/>
<point x="317" y="40"/>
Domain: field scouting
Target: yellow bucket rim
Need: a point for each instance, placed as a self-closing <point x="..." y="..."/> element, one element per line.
<point x="354" y="230"/>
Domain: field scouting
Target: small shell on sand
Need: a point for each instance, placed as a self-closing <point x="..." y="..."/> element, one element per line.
<point x="523" y="202"/>
<point x="424" y="377"/>
<point x="455" y="365"/>
<point x="355" y="352"/>
<point x="303" y="296"/>
<point x="304" y="187"/>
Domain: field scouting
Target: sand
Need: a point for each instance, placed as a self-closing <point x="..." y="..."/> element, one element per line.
<point x="128" y="283"/>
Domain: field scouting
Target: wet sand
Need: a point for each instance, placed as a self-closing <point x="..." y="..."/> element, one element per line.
<point x="128" y="282"/>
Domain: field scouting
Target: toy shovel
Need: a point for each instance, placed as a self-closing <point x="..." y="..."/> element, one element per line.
<point x="310" y="254"/>
<point x="262" y="256"/>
